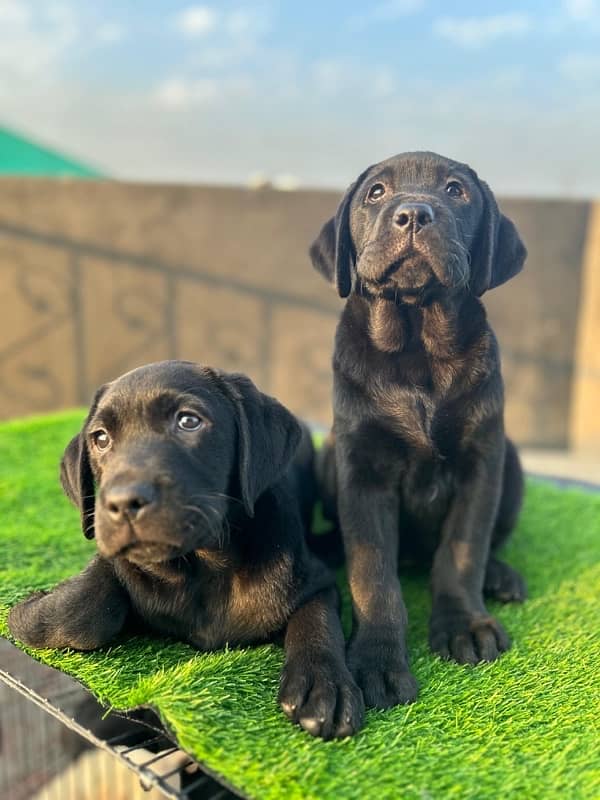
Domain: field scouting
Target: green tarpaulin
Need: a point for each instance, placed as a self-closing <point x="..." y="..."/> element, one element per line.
<point x="21" y="156"/>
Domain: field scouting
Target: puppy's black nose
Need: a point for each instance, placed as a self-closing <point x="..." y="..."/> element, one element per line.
<point x="128" y="500"/>
<point x="414" y="215"/>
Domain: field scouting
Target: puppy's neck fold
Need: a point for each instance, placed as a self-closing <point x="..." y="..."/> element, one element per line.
<point x="439" y="328"/>
<point x="388" y="325"/>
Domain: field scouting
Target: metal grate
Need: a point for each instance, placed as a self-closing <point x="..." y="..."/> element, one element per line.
<point x="70" y="751"/>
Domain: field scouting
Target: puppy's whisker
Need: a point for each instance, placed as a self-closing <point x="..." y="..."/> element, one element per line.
<point x="224" y="497"/>
<point x="215" y="527"/>
<point x="460" y="246"/>
<point x="222" y="526"/>
<point x="460" y="272"/>
<point x="208" y="496"/>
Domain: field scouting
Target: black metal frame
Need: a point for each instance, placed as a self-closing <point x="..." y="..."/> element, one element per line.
<point x="211" y="786"/>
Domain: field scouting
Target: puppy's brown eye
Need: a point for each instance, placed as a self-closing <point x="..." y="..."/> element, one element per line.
<point x="101" y="439"/>
<point x="375" y="193"/>
<point x="454" y="189"/>
<point x="186" y="421"/>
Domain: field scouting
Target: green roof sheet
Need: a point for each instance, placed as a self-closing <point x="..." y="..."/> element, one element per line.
<point x="20" y="156"/>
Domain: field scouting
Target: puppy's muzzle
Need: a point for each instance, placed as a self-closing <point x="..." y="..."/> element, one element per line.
<point x="131" y="521"/>
<point x="129" y="501"/>
<point x="408" y="249"/>
<point x="413" y="216"/>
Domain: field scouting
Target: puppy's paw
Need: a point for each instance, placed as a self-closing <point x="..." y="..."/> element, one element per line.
<point x="383" y="675"/>
<point x="25" y="624"/>
<point x="468" y="639"/>
<point x="503" y="583"/>
<point x="320" y="695"/>
<point x="52" y="619"/>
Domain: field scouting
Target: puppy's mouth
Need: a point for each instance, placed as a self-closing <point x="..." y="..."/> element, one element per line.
<point x="409" y="278"/>
<point x="156" y="541"/>
<point x="408" y="270"/>
<point x="140" y="552"/>
<point x="138" y="545"/>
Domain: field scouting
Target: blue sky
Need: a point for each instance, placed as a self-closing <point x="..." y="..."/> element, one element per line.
<point x="309" y="93"/>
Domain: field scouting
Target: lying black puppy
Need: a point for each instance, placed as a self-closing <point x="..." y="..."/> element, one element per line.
<point x="200" y="534"/>
<point x="418" y="462"/>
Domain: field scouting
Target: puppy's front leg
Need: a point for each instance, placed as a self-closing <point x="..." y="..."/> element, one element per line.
<point x="377" y="655"/>
<point x="317" y="690"/>
<point x="83" y="612"/>
<point x="460" y="626"/>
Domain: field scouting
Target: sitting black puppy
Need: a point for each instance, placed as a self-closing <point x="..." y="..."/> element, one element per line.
<point x="186" y="477"/>
<point x="419" y="465"/>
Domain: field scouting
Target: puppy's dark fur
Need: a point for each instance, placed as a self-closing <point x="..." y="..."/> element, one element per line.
<point x="418" y="463"/>
<point x="186" y="477"/>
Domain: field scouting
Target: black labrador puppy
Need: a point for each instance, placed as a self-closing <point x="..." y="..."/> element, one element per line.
<point x="187" y="478"/>
<point x="418" y="462"/>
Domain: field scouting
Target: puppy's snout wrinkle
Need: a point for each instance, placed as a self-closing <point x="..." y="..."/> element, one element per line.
<point x="129" y="500"/>
<point x="414" y="215"/>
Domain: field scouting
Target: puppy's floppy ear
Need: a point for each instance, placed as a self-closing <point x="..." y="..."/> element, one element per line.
<point x="498" y="254"/>
<point x="332" y="253"/>
<point x="76" y="473"/>
<point x="268" y="436"/>
<point x="322" y="251"/>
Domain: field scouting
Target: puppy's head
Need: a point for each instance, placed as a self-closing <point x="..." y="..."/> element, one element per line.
<point x="414" y="224"/>
<point x="165" y="451"/>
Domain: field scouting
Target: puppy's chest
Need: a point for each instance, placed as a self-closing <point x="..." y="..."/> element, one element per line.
<point x="409" y="442"/>
<point x="261" y="600"/>
<point x="213" y="609"/>
<point x="416" y="418"/>
<point x="188" y="606"/>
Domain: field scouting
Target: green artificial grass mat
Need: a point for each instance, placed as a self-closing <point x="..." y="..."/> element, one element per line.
<point x="526" y="726"/>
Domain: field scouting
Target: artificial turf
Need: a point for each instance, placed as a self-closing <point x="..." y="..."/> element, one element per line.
<point x="526" y="726"/>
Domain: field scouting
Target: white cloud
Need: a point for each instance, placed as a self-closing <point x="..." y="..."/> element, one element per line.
<point x="580" y="67"/>
<point x="34" y="39"/>
<point x="581" y="10"/>
<point x="228" y="38"/>
<point x="178" y="93"/>
<point x="383" y="83"/>
<point x="392" y="9"/>
<point x="330" y="76"/>
<point x="475" y="32"/>
<point x="110" y="33"/>
<point x="247" y="22"/>
<point x="508" y="78"/>
<point x="185" y="94"/>
<point x="387" y="11"/>
<point x="196" y="21"/>
<point x="336" y="78"/>
<point x="213" y="71"/>
<point x="14" y="12"/>
<point x="172" y="93"/>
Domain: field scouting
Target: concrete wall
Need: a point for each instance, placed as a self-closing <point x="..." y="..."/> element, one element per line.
<point x="98" y="277"/>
